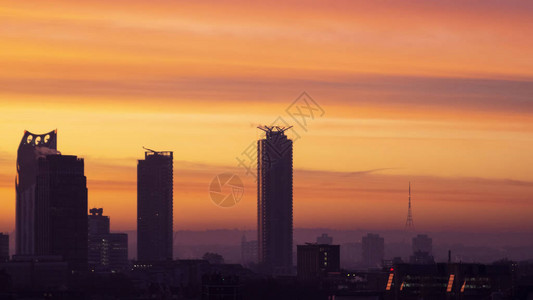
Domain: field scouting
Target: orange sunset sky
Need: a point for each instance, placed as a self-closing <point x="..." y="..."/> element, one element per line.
<point x="438" y="93"/>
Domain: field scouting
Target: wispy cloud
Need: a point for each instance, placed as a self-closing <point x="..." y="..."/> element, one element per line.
<point x="476" y="95"/>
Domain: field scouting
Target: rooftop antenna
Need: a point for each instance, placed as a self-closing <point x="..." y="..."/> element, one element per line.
<point x="266" y="128"/>
<point x="409" y="225"/>
<point x="149" y="150"/>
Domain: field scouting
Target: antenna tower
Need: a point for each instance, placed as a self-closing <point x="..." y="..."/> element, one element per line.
<point x="409" y="225"/>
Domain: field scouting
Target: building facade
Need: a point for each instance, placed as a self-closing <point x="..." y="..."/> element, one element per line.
<point x="61" y="209"/>
<point x="154" y="206"/>
<point x="31" y="148"/>
<point x="274" y="201"/>
<point x="107" y="251"/>
<point x="315" y="261"/>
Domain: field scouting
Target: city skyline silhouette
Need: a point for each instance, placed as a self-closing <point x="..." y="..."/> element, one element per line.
<point x="303" y="150"/>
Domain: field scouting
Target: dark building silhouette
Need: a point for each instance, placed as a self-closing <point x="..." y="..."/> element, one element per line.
<point x="449" y="281"/>
<point x="98" y="223"/>
<point x="315" y="261"/>
<point x="31" y="148"/>
<point x="107" y="251"/>
<point x="373" y="247"/>
<point x="4" y="247"/>
<point x="220" y="286"/>
<point x="154" y="206"/>
<point x="422" y="243"/>
<point x="61" y="209"/>
<point x="274" y="201"/>
<point x="31" y="273"/>
<point x="422" y="250"/>
<point x="324" y="239"/>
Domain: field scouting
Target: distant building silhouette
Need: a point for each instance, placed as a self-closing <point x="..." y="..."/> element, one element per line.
<point x="4" y="247"/>
<point x="422" y="243"/>
<point x="315" y="261"/>
<point x="154" y="206"/>
<point x="61" y="209"/>
<point x="373" y="247"/>
<point x="248" y="251"/>
<point x="324" y="239"/>
<point x="351" y="254"/>
<point x="422" y="250"/>
<point x="274" y="201"/>
<point x="107" y="251"/>
<point x="31" y="148"/>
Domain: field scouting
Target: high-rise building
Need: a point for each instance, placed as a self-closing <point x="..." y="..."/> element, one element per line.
<point x="98" y="223"/>
<point x="324" y="239"/>
<point x="31" y="148"/>
<point x="107" y="251"/>
<point x="4" y="247"/>
<point x="317" y="260"/>
<point x="373" y="247"/>
<point x="61" y="209"/>
<point x="117" y="245"/>
<point x="154" y="206"/>
<point x="274" y="201"/>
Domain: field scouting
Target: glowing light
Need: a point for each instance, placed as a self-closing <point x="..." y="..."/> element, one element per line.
<point x="450" y="283"/>
<point x="389" y="282"/>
